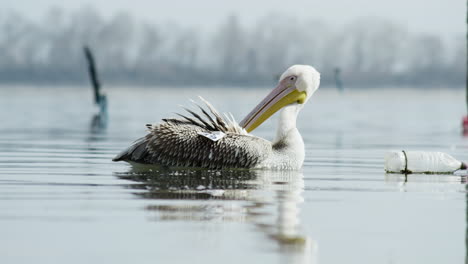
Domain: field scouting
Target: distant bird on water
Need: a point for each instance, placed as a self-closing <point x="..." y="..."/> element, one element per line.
<point x="212" y="141"/>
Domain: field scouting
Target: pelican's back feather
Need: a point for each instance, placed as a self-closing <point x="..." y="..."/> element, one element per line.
<point x="176" y="142"/>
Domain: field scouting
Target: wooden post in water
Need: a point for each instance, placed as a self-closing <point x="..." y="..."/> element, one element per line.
<point x="338" y="81"/>
<point x="93" y="74"/>
<point x="99" y="120"/>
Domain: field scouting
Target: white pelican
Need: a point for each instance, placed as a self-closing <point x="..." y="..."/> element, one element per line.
<point x="215" y="142"/>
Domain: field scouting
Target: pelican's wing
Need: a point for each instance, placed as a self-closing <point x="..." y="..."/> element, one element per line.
<point x="181" y="143"/>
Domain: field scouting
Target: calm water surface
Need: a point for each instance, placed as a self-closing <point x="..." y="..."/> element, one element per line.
<point x="62" y="200"/>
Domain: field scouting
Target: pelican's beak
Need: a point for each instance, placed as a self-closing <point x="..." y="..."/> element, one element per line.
<point x="281" y="96"/>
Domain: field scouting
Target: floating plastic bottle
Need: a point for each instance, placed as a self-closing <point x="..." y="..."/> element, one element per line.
<point x="408" y="162"/>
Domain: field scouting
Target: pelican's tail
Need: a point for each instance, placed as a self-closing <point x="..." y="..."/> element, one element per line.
<point x="136" y="152"/>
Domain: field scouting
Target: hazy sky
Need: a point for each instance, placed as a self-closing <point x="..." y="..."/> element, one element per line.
<point x="445" y="17"/>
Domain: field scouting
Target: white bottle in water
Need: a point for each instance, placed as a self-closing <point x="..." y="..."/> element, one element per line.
<point x="421" y="162"/>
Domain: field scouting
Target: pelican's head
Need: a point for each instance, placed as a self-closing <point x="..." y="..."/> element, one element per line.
<point x="296" y="86"/>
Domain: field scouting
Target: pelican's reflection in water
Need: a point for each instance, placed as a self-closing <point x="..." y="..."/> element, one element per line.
<point x="269" y="201"/>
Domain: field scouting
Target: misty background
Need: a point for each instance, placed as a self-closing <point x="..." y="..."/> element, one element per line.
<point x="132" y="49"/>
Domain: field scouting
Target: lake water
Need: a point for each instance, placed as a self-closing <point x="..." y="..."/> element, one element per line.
<point x="62" y="199"/>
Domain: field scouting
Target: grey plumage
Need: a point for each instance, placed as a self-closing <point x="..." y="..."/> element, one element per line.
<point x="176" y="142"/>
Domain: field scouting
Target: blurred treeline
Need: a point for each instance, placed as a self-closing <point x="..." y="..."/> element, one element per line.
<point x="369" y="52"/>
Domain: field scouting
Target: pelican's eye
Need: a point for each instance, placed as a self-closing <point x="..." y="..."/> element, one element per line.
<point x="292" y="78"/>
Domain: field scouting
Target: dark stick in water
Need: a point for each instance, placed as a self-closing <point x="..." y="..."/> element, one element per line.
<point x="93" y="74"/>
<point x="99" y="121"/>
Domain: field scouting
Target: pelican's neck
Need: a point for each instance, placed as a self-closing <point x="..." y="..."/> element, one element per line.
<point x="288" y="151"/>
<point x="288" y="146"/>
<point x="287" y="123"/>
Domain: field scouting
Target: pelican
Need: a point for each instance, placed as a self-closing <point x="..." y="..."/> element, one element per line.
<point x="217" y="142"/>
